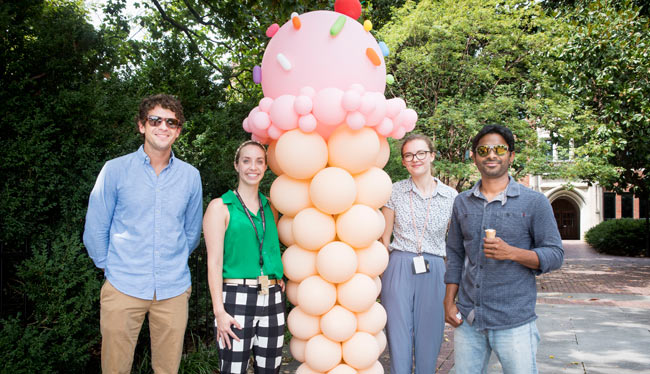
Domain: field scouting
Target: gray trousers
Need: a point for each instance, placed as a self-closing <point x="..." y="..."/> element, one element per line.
<point x="415" y="312"/>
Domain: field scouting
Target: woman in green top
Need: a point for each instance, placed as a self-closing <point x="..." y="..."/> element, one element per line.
<point x="245" y="270"/>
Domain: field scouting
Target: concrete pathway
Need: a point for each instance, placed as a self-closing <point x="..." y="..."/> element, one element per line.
<point x="594" y="317"/>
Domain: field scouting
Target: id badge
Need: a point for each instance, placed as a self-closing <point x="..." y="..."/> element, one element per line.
<point x="263" y="281"/>
<point x="420" y="265"/>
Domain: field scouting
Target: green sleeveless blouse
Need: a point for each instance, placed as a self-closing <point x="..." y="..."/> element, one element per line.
<point x="241" y="254"/>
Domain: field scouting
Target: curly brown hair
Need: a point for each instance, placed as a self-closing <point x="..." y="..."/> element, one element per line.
<point x="168" y="102"/>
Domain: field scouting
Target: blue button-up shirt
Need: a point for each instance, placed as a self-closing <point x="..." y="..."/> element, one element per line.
<point x="142" y="227"/>
<point x="500" y="294"/>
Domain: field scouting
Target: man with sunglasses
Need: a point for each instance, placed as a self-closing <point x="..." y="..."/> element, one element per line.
<point x="143" y="221"/>
<point x="494" y="278"/>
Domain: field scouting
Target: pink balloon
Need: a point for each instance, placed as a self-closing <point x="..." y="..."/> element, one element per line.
<point x="372" y="260"/>
<point x="305" y="369"/>
<point x="307" y="123"/>
<point x="357" y="294"/>
<point x="373" y="187"/>
<point x="333" y="190"/>
<point x="260" y="139"/>
<point x="327" y="107"/>
<point x="375" y="368"/>
<point x="385" y="128"/>
<point x="351" y="100"/>
<point x="322" y="354"/>
<point x="312" y="229"/>
<point x="368" y="103"/>
<point x="361" y="351"/>
<point x="375" y="117"/>
<point x="325" y="131"/>
<point x="394" y="106"/>
<point x="289" y="196"/>
<point x="342" y="369"/>
<point x="291" y="289"/>
<point x="336" y="262"/>
<point x="265" y="104"/>
<point x="339" y="324"/>
<point x="398" y="133"/>
<point x="271" y="30"/>
<point x="411" y="117"/>
<point x="282" y="113"/>
<point x="358" y="226"/>
<point x="308" y="91"/>
<point x="302" y="325"/>
<point x="355" y="120"/>
<point x="373" y="320"/>
<point x="298" y="263"/>
<point x="284" y="230"/>
<point x="246" y="125"/>
<point x="357" y="87"/>
<point x="261" y="120"/>
<point x="274" y="133"/>
<point x="302" y="105"/>
<point x="320" y="60"/>
<point x="297" y="349"/>
<point x="316" y="296"/>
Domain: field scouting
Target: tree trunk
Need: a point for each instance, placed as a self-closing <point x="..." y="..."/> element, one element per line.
<point x="647" y="227"/>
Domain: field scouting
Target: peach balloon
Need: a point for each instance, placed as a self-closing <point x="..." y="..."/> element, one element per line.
<point x="358" y="226"/>
<point x="316" y="296"/>
<point x="342" y="369"/>
<point x="353" y="150"/>
<point x="361" y="350"/>
<point x="333" y="190"/>
<point x="297" y="348"/>
<point x="373" y="188"/>
<point x="289" y="196"/>
<point x="339" y="324"/>
<point x="358" y="294"/>
<point x="301" y="155"/>
<point x="336" y="262"/>
<point x="376" y="368"/>
<point x="373" y="320"/>
<point x="372" y="259"/>
<point x="384" y="153"/>
<point x="377" y="281"/>
<point x="322" y="354"/>
<point x="271" y="161"/>
<point x="312" y="229"/>
<point x="284" y="230"/>
<point x="298" y="263"/>
<point x="291" y="289"/>
<point x="305" y="369"/>
<point x="302" y="325"/>
<point x="381" y="341"/>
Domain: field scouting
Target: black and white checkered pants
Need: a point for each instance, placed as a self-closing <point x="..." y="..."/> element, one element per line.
<point x="262" y="319"/>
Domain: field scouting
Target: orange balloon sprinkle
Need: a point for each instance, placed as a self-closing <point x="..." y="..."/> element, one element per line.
<point x="372" y="55"/>
<point x="296" y="22"/>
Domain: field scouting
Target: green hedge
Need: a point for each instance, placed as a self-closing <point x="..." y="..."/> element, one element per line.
<point x="618" y="237"/>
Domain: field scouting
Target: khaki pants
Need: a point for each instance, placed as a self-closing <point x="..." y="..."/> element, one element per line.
<point x="121" y="318"/>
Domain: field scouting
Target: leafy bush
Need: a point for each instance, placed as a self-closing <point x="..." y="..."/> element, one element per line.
<point x="618" y="237"/>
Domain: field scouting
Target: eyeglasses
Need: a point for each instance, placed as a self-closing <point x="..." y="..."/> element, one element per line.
<point x="420" y="155"/>
<point x="499" y="149"/>
<point x="156" y="121"/>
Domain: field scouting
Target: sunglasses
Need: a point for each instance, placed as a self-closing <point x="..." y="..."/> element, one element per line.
<point x="499" y="149"/>
<point x="156" y="121"/>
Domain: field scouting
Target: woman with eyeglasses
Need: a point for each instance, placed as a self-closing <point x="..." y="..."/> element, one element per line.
<point x="245" y="270"/>
<point x="417" y="215"/>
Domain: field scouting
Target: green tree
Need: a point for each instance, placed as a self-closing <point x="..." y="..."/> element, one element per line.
<point x="463" y="64"/>
<point x="607" y="73"/>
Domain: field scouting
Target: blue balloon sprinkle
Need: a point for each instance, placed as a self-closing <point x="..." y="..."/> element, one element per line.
<point x="384" y="48"/>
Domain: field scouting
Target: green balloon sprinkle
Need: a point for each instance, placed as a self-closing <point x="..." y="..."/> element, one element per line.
<point x="337" y="26"/>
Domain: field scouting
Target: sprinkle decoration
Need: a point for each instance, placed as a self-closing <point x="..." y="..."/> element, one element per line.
<point x="284" y="61"/>
<point x="272" y="30"/>
<point x="372" y="55"/>
<point x="257" y="74"/>
<point x="384" y="49"/>
<point x="295" y="20"/>
<point x="390" y="79"/>
<point x="337" y="26"/>
<point x="351" y="8"/>
<point x="367" y="25"/>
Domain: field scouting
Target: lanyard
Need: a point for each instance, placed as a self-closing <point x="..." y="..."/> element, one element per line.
<point x="426" y="221"/>
<point x="257" y="235"/>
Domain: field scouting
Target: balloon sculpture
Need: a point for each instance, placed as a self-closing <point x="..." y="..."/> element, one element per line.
<point x="326" y="119"/>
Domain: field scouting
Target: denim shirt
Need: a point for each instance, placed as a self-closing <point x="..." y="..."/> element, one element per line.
<point x="142" y="227"/>
<point x="500" y="294"/>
